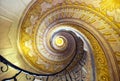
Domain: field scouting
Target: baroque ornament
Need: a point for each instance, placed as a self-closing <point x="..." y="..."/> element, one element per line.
<point x="110" y="4"/>
<point x="64" y="40"/>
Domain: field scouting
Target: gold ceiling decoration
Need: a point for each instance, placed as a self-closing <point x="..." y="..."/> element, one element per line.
<point x="58" y="35"/>
<point x="110" y="4"/>
<point x="38" y="28"/>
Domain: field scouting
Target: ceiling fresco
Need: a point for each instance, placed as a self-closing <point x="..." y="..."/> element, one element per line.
<point x="62" y="40"/>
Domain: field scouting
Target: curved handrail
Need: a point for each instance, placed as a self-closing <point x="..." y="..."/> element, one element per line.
<point x="77" y="39"/>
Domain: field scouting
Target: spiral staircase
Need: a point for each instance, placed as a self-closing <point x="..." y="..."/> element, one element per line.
<point x="59" y="40"/>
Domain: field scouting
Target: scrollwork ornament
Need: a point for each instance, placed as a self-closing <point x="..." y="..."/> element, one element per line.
<point x="30" y="77"/>
<point x="4" y="67"/>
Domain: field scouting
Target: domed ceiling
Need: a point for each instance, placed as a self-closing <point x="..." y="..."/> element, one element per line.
<point x="62" y="40"/>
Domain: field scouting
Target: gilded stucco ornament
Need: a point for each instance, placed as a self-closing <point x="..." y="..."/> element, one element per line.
<point x="110" y="4"/>
<point x="95" y="3"/>
<point x="115" y="13"/>
<point x="62" y="38"/>
<point x="112" y="9"/>
<point x="51" y="18"/>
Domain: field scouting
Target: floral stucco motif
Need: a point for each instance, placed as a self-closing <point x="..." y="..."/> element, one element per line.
<point x="95" y="3"/>
<point x="115" y="14"/>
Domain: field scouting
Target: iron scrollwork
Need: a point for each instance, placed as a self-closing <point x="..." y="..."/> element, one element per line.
<point x="80" y="54"/>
